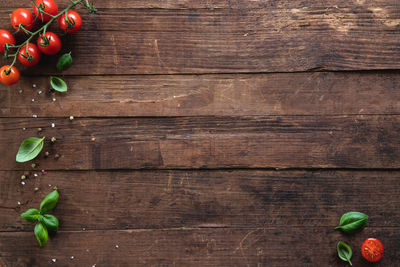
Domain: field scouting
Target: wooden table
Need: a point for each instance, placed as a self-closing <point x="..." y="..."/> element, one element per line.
<point x="210" y="133"/>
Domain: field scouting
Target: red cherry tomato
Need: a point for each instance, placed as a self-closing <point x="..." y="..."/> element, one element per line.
<point x="49" y="44"/>
<point x="22" y="16"/>
<point x="73" y="22"/>
<point x="49" y="6"/>
<point x="372" y="249"/>
<point x="9" y="78"/>
<point x="33" y="58"/>
<point x="5" y="38"/>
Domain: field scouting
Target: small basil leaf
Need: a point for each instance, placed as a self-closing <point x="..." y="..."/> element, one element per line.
<point x="58" y="84"/>
<point x="30" y="215"/>
<point x="41" y="234"/>
<point x="49" y="202"/>
<point x="64" y="62"/>
<point x="29" y="149"/>
<point x="50" y="221"/>
<point x="344" y="252"/>
<point x="352" y="222"/>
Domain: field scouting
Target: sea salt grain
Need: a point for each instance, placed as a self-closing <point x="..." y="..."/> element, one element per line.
<point x="39" y="92"/>
<point x="49" y="185"/>
<point x="53" y="125"/>
<point x="72" y="257"/>
<point x="33" y="100"/>
<point x="23" y="183"/>
<point x="116" y="246"/>
<point x="34" y="85"/>
<point x="20" y="91"/>
<point x="54" y="100"/>
<point x="36" y="175"/>
<point x="23" y="129"/>
<point x="53" y="260"/>
<point x="34" y="116"/>
<point x="19" y="203"/>
<point x="83" y="228"/>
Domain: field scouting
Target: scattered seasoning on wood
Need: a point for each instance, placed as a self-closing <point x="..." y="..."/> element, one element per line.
<point x="34" y="85"/>
<point x="71" y="118"/>
<point x="34" y="116"/>
<point x="33" y="165"/>
<point x="54" y="99"/>
<point x="36" y="188"/>
<point x="39" y="129"/>
<point x="56" y="156"/>
<point x="19" y="203"/>
<point x="23" y="183"/>
<point x="23" y="129"/>
<point x="53" y="125"/>
<point x="53" y="260"/>
<point x="33" y="100"/>
<point x="46" y="154"/>
<point x="39" y="92"/>
<point x="36" y="175"/>
<point x="53" y="139"/>
<point x="23" y="177"/>
<point x="72" y="257"/>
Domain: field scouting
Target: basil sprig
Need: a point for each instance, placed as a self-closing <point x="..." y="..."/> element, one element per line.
<point x="29" y="149"/>
<point x="64" y="62"/>
<point x="352" y="222"/>
<point x="45" y="222"/>
<point x="58" y="84"/>
<point x="344" y="252"/>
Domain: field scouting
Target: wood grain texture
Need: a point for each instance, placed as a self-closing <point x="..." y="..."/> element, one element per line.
<point x="202" y="199"/>
<point x="321" y="93"/>
<point x="273" y="39"/>
<point x="209" y="142"/>
<point x="213" y="4"/>
<point x="269" y="246"/>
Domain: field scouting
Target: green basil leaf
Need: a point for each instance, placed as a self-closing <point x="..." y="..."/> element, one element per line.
<point x="352" y="222"/>
<point x="29" y="149"/>
<point x="49" y="202"/>
<point x="58" y="84"/>
<point x="64" y="62"/>
<point x="41" y="234"/>
<point x="50" y="221"/>
<point x="344" y="252"/>
<point x="30" y="215"/>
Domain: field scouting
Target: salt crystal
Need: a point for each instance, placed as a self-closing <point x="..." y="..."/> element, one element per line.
<point x="23" y="183"/>
<point x="49" y="185"/>
<point x="94" y="265"/>
<point x="71" y="118"/>
<point x="83" y="228"/>
<point x="36" y="175"/>
<point x="39" y="92"/>
<point x="54" y="100"/>
<point x="36" y="188"/>
<point x="72" y="257"/>
<point x="23" y="129"/>
<point x="19" y="203"/>
<point x="54" y="260"/>
<point x="116" y="246"/>
<point x="34" y="116"/>
<point x="33" y="100"/>
<point x="34" y="85"/>
<point x="53" y="125"/>
<point x="20" y="91"/>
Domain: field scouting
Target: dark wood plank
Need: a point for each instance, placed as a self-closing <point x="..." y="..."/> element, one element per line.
<point x="269" y="246"/>
<point x="275" y="39"/>
<point x="224" y="199"/>
<point x="322" y="93"/>
<point x="213" y="4"/>
<point x="209" y="142"/>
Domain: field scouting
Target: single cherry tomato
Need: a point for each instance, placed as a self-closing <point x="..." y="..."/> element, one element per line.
<point x="49" y="6"/>
<point x="9" y="77"/>
<point x="372" y="249"/>
<point x="5" y="38"/>
<point x="33" y="58"/>
<point x="73" y="22"/>
<point x="49" y="44"/>
<point x="22" y="16"/>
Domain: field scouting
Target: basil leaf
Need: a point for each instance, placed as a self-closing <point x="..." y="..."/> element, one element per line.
<point x="41" y="234"/>
<point x="49" y="202"/>
<point x="58" y="84"/>
<point x="29" y="149"/>
<point x="30" y="215"/>
<point x="50" y="221"/>
<point x="64" y="62"/>
<point x="344" y="252"/>
<point x="352" y="222"/>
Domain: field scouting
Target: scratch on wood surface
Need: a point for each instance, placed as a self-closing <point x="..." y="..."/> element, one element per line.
<point x="157" y="52"/>
<point x="115" y="52"/>
<point x="382" y="14"/>
<point x="240" y="247"/>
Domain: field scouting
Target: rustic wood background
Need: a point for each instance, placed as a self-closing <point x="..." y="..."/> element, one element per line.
<point x="210" y="133"/>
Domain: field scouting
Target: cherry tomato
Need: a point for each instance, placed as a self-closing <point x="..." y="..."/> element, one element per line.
<point x="50" y="7"/>
<point x="22" y="16"/>
<point x="34" y="55"/>
<point x="73" y="22"/>
<point x="372" y="249"/>
<point x="5" y="38"/>
<point x="49" y="44"/>
<point x="9" y="78"/>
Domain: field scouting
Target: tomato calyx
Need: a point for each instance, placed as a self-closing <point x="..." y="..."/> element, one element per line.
<point x="45" y="40"/>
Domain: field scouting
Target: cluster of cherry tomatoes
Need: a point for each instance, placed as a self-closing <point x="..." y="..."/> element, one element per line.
<point x="48" y="43"/>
